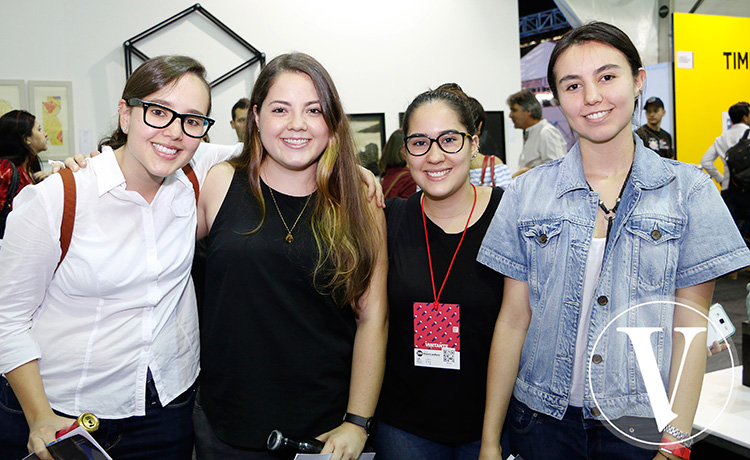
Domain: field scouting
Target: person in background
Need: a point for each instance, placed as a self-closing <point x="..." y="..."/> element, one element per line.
<point x="542" y="142"/>
<point x="294" y="322"/>
<point x="21" y="140"/>
<point x="432" y="402"/>
<point x="239" y="118"/>
<point x="394" y="176"/>
<point x="610" y="236"/>
<point x="737" y="203"/>
<point x="486" y="169"/>
<point x="112" y="328"/>
<point x="651" y="134"/>
<point x="368" y="157"/>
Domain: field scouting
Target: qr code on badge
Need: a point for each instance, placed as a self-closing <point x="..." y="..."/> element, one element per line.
<point x="449" y="355"/>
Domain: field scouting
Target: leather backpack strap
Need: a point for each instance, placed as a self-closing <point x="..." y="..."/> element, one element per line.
<point x="484" y="169"/>
<point x="393" y="184"/>
<point x="69" y="212"/>
<point x="492" y="168"/>
<point x="188" y="170"/>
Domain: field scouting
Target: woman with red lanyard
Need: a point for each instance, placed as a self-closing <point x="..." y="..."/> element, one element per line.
<point x="443" y="304"/>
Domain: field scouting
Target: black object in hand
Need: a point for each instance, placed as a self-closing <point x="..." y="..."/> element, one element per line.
<point x="278" y="443"/>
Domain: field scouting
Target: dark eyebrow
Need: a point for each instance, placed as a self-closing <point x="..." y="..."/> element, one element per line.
<point x="601" y="69"/>
<point x="288" y="104"/>
<point x="447" y="131"/>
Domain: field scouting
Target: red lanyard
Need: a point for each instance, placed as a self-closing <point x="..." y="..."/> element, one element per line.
<point x="429" y="256"/>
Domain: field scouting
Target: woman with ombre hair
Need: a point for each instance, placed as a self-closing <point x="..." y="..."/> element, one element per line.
<point x="295" y="317"/>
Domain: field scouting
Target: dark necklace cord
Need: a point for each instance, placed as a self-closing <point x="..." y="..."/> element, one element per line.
<point x="613" y="211"/>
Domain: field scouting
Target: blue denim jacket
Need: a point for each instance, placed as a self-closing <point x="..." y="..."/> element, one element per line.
<point x="672" y="230"/>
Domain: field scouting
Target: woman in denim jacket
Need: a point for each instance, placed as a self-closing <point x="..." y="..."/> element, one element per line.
<point x="611" y="236"/>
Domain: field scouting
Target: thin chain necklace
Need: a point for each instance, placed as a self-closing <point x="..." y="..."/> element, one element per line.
<point x="289" y="238"/>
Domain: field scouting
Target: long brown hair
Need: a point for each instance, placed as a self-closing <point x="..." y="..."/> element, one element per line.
<point x="342" y="223"/>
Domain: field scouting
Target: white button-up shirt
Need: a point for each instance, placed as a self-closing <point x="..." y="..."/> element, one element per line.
<point x="120" y="303"/>
<point x="719" y="149"/>
<point x="542" y="143"/>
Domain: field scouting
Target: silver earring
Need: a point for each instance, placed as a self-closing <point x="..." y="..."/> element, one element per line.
<point x="124" y="129"/>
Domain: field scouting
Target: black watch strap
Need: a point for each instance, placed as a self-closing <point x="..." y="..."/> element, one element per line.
<point x="358" y="420"/>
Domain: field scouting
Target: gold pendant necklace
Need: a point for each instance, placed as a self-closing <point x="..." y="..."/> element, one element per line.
<point x="289" y="238"/>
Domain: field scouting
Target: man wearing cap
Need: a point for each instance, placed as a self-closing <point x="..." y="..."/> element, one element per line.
<point x="651" y="134"/>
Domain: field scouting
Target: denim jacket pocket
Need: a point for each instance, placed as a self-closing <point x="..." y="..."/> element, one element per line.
<point x="542" y="233"/>
<point x="542" y="241"/>
<point x="655" y="230"/>
<point x="655" y="249"/>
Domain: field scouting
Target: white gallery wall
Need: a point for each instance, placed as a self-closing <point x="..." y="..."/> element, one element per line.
<point x="380" y="54"/>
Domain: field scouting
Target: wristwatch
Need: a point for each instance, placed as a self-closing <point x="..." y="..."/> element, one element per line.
<point x="364" y="422"/>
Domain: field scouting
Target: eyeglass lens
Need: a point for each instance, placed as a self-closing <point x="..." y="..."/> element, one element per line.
<point x="160" y="117"/>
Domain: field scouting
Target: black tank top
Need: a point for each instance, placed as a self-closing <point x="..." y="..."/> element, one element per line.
<point x="442" y="405"/>
<point x="275" y="352"/>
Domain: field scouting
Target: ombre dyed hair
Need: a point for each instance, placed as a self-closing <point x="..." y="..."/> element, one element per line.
<point x="342" y="224"/>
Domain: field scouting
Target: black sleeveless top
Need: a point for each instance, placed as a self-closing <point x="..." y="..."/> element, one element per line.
<point x="442" y="405"/>
<point x="275" y="352"/>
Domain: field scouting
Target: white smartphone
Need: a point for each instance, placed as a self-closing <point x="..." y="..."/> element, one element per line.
<point x="718" y="318"/>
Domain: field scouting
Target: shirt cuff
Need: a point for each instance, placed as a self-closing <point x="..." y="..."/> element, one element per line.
<point x="18" y="350"/>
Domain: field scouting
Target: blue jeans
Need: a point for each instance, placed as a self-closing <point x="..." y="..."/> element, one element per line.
<point x="165" y="433"/>
<point x="536" y="436"/>
<point x="394" y="444"/>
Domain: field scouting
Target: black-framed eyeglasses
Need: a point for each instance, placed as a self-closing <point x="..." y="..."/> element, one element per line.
<point x="158" y="116"/>
<point x="450" y="142"/>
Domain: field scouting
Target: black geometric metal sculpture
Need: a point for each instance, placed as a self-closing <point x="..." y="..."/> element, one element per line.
<point x="131" y="50"/>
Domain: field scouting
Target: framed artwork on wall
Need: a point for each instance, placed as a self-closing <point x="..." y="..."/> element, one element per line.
<point x="12" y="96"/>
<point x="52" y="104"/>
<point x="368" y="130"/>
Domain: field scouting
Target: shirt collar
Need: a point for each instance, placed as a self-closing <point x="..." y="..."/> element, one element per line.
<point x="536" y="126"/>
<point x="107" y="171"/>
<point x="650" y="171"/>
<point x="109" y="175"/>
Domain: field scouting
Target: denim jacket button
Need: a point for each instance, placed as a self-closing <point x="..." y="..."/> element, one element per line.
<point x="596" y="359"/>
<point x="656" y="234"/>
<point x="543" y="238"/>
<point x="602" y="300"/>
<point x="595" y="411"/>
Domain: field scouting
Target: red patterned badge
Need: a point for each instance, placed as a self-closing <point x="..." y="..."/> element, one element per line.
<point x="437" y="336"/>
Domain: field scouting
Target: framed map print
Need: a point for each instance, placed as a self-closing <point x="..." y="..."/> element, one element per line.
<point x="52" y="104"/>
